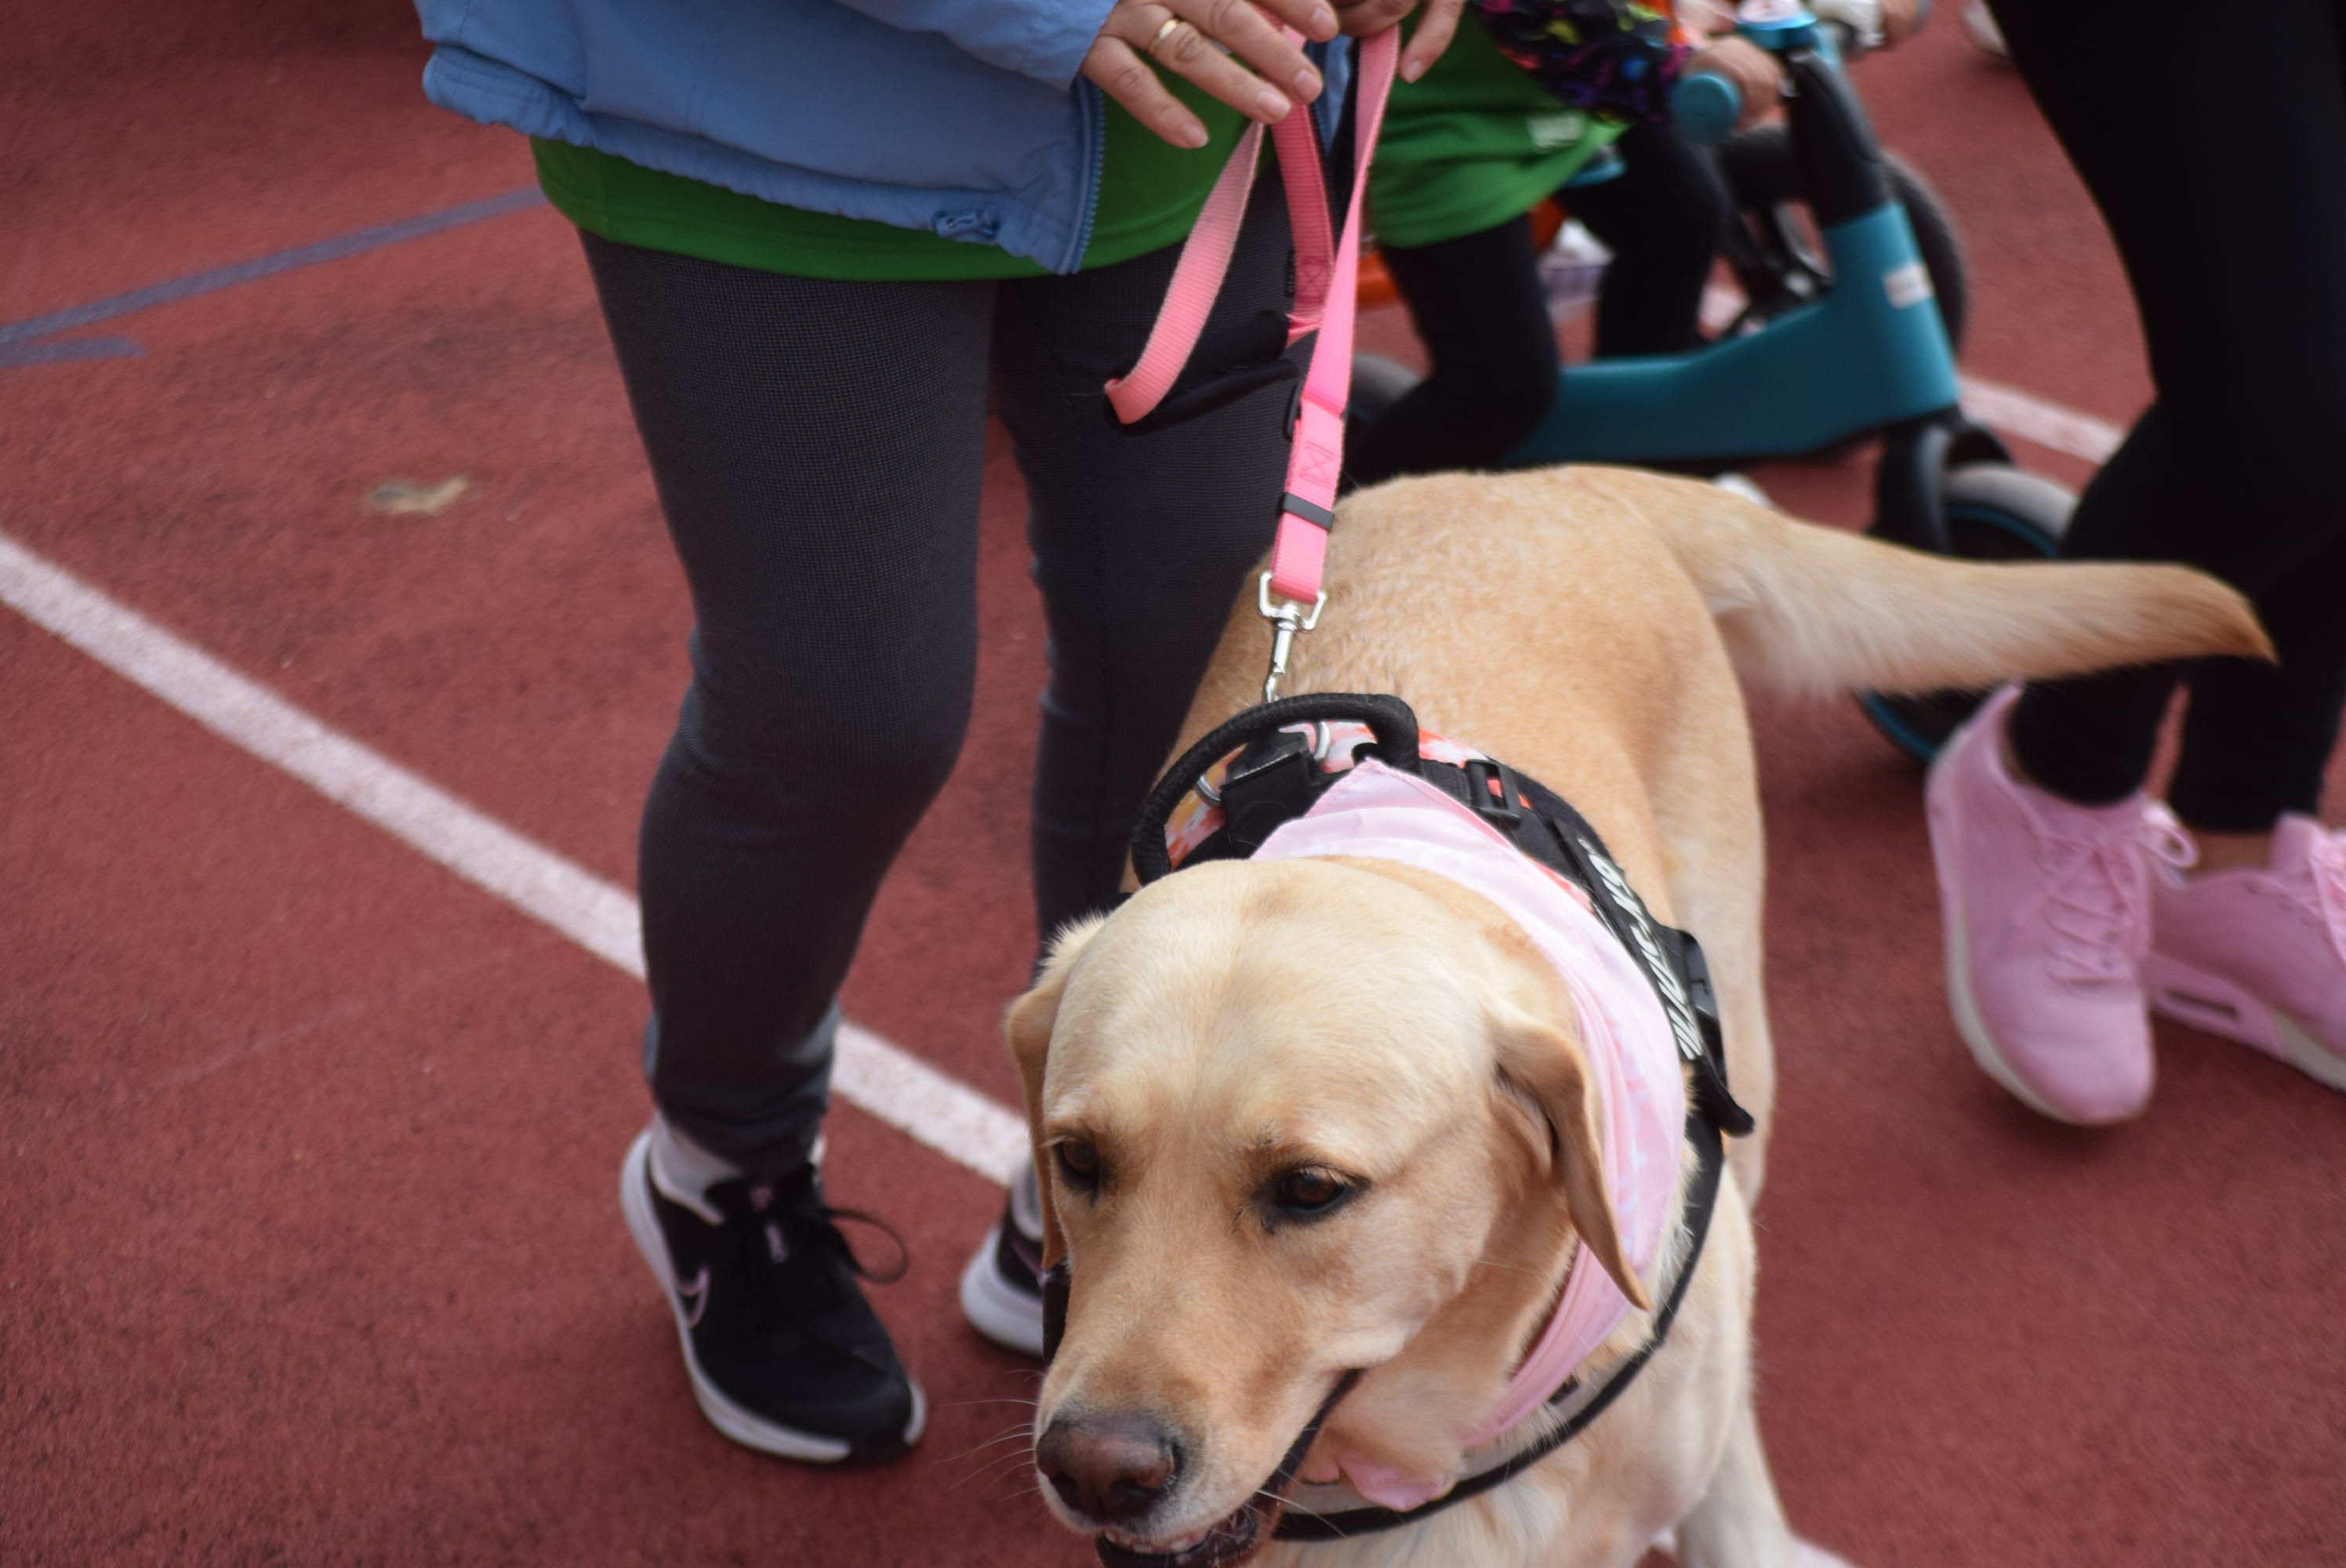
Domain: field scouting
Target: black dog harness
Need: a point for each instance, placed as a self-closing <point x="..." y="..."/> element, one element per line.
<point x="1268" y="766"/>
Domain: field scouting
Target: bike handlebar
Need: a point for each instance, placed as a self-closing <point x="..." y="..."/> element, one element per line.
<point x="1706" y="107"/>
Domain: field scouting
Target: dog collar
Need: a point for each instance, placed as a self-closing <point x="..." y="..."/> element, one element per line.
<point x="1239" y="788"/>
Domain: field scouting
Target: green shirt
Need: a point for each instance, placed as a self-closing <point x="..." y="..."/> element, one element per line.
<point x="1471" y="143"/>
<point x="1150" y="194"/>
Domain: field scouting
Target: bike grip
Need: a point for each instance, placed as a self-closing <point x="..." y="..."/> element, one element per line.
<point x="1705" y="107"/>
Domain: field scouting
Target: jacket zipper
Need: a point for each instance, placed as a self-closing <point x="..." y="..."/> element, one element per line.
<point x="1095" y="134"/>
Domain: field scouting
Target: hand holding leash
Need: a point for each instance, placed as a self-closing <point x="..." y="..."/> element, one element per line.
<point x="1211" y="43"/>
<point x="1327" y="267"/>
<point x="1364" y="18"/>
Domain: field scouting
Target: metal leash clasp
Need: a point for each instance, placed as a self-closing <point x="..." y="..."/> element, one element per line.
<point x="1285" y="617"/>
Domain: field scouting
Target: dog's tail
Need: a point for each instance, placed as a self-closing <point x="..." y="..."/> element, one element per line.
<point x="1810" y="608"/>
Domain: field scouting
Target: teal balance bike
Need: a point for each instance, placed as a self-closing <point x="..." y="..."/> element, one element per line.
<point x="1844" y="337"/>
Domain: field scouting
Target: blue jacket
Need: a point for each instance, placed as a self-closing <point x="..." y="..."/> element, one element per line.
<point x="962" y="116"/>
<point x="955" y="115"/>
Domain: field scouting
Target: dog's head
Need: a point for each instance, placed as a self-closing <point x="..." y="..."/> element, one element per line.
<point x="1294" y="1120"/>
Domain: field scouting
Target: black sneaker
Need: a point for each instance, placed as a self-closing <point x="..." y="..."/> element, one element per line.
<point x="1002" y="1289"/>
<point x="785" y="1355"/>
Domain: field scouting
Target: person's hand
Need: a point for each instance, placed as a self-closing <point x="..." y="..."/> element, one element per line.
<point x="1366" y="18"/>
<point x="1872" y="23"/>
<point x="1753" y="70"/>
<point x="1190" y="38"/>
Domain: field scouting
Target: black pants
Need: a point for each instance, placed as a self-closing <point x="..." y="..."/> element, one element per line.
<point x="2215" y="144"/>
<point x="1478" y="307"/>
<point x="817" y="449"/>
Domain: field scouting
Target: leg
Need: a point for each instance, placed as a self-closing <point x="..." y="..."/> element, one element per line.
<point x="2258" y="736"/>
<point x="2234" y="262"/>
<point x="1663" y="217"/>
<point x="2090" y="739"/>
<point x="2249" y="946"/>
<point x="823" y="500"/>
<point x="2059" y="933"/>
<point x="1141" y="542"/>
<point x="1740" y="1522"/>
<point x="1477" y="306"/>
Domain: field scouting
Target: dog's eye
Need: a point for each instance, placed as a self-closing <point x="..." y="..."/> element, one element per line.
<point x="1307" y="1190"/>
<point x="1079" y="1163"/>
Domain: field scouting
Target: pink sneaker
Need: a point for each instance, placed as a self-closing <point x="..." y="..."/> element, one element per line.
<point x="2046" y="907"/>
<point x="2260" y="956"/>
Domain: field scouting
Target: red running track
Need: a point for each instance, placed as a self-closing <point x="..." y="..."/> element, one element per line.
<point x="311" y="1252"/>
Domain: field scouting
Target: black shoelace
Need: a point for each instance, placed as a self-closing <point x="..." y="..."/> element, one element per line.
<point x="792" y="1221"/>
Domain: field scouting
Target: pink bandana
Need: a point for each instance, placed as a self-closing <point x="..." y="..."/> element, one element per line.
<point x="1376" y="814"/>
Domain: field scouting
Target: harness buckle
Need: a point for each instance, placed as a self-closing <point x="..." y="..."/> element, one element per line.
<point x="1287" y="618"/>
<point x="1491" y="791"/>
<point x="1271" y="782"/>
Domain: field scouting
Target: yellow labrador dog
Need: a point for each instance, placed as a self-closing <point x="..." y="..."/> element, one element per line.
<point x="1320" y="1128"/>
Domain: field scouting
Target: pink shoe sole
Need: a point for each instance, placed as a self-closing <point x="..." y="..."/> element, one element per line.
<point x="2205" y="1002"/>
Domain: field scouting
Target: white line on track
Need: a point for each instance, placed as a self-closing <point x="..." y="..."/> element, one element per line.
<point x="2048" y="424"/>
<point x="965" y="1126"/>
<point x="2007" y="409"/>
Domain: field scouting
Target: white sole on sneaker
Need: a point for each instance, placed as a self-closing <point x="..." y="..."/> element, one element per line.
<point x="1980" y="27"/>
<point x="2216" y="1006"/>
<point x="1981" y="1044"/>
<point x="1969" y="1026"/>
<point x="737" y="1422"/>
<point x="1000" y="1312"/>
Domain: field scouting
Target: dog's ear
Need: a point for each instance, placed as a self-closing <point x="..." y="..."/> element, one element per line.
<point x="1028" y="1028"/>
<point x="1546" y="1077"/>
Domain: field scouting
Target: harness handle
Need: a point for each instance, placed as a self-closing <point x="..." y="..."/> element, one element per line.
<point x="1393" y="721"/>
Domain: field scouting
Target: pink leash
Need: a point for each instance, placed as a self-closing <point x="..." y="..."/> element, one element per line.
<point x="1327" y="281"/>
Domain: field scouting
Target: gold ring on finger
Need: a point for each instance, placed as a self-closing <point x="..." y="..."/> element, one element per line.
<point x="1163" y="33"/>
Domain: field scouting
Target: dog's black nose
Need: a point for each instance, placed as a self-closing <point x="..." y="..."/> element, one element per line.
<point x="1109" y="1468"/>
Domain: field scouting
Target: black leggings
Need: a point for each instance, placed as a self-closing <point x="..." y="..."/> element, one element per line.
<point x="1478" y="307"/>
<point x="2215" y="144"/>
<point x="817" y="448"/>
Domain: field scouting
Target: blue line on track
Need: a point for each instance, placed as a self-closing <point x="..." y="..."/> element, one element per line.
<point x="15" y="354"/>
<point x="228" y="277"/>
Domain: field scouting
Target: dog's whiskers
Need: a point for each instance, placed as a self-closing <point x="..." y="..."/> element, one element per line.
<point x="992" y="1470"/>
<point x="1024" y="1429"/>
<point x="1281" y="1502"/>
<point x="1512" y="1267"/>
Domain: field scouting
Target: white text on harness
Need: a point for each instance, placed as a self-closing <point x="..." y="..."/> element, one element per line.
<point x="1683" y="1028"/>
